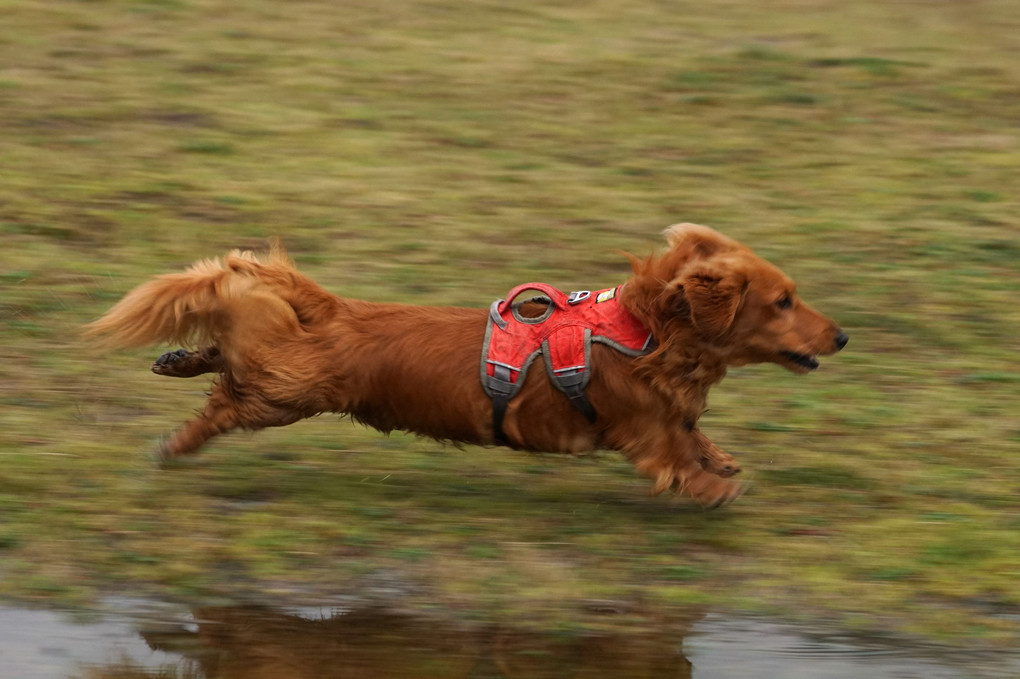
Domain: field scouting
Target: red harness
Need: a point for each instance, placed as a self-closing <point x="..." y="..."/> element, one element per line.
<point x="563" y="334"/>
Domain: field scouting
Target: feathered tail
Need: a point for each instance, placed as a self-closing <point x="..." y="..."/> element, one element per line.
<point x="241" y="295"/>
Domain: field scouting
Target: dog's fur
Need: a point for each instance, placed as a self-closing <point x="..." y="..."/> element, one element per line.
<point x="286" y="349"/>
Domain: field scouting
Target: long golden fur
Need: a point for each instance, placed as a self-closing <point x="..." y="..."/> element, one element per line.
<point x="286" y="349"/>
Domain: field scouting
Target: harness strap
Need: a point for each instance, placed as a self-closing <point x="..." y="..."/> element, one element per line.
<point x="500" y="388"/>
<point x="499" y="406"/>
<point x="573" y="385"/>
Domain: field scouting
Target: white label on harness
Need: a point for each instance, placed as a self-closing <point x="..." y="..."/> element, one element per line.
<point x="606" y="295"/>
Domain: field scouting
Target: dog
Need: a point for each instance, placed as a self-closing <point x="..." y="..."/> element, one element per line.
<point x="284" y="349"/>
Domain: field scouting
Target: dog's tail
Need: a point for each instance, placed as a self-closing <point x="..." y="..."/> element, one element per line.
<point x="242" y="296"/>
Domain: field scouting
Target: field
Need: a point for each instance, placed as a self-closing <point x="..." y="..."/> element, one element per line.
<point x="441" y="153"/>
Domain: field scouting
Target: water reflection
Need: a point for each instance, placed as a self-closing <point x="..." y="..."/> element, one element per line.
<point x="256" y="643"/>
<point x="150" y="640"/>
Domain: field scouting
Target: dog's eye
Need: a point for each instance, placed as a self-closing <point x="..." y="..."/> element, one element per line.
<point x="784" y="302"/>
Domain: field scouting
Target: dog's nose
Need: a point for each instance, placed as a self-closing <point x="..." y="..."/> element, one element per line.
<point x="841" y="339"/>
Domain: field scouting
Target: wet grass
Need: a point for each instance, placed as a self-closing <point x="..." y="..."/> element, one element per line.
<point x="442" y="153"/>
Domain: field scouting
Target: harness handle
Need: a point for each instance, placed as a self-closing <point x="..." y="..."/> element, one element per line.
<point x="558" y="298"/>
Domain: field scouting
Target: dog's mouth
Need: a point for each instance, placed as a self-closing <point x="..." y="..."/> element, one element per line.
<point x="800" y="360"/>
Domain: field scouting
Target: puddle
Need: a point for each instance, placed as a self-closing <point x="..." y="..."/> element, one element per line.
<point x="153" y="640"/>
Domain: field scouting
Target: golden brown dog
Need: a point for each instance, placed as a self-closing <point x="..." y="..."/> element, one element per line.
<point x="286" y="349"/>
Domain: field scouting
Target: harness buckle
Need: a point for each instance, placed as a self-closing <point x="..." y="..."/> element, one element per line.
<point x="578" y="296"/>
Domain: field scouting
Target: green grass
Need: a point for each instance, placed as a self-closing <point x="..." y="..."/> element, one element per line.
<point x="440" y="153"/>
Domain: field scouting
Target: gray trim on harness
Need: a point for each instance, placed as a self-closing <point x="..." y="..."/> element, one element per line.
<point x="541" y="318"/>
<point x="495" y="318"/>
<point x="633" y="353"/>
<point x="515" y="310"/>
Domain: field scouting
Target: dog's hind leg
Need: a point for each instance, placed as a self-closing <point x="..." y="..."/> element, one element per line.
<point x="220" y="415"/>
<point x="184" y="363"/>
<point x="230" y="406"/>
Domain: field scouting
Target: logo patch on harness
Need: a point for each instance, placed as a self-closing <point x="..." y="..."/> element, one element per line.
<point x="605" y="296"/>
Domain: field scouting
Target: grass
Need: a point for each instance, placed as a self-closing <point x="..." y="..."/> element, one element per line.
<point x="440" y="153"/>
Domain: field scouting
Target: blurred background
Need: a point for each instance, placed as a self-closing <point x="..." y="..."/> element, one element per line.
<point x="442" y="152"/>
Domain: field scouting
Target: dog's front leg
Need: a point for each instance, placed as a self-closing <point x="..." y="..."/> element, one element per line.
<point x="713" y="459"/>
<point x="672" y="457"/>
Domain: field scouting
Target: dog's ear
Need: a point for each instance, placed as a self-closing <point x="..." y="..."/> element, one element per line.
<point x="696" y="240"/>
<point x="714" y="296"/>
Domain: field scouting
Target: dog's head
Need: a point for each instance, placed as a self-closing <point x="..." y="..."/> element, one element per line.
<point x="740" y="307"/>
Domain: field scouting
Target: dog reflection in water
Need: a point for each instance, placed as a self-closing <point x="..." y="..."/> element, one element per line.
<point x="252" y="643"/>
<point x="283" y="349"/>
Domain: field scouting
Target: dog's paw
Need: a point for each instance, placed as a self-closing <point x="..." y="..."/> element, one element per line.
<point x="171" y="357"/>
<point x="162" y="457"/>
<point x="714" y="459"/>
<point x="713" y="492"/>
<point x="708" y="490"/>
<point x="728" y="495"/>
<point x="723" y="468"/>
<point x="166" y="364"/>
<point x="181" y="363"/>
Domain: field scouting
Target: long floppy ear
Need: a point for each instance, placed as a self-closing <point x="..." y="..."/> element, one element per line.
<point x="714" y="297"/>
